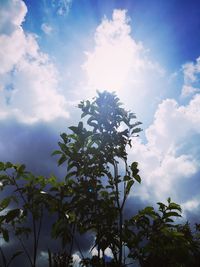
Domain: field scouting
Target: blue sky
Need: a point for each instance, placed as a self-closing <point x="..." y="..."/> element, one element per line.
<point x="168" y="24"/>
<point x="56" y="53"/>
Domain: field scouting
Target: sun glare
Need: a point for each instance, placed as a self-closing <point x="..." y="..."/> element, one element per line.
<point x="116" y="55"/>
<point x="117" y="62"/>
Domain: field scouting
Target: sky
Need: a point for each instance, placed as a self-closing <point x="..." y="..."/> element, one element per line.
<point x="55" y="53"/>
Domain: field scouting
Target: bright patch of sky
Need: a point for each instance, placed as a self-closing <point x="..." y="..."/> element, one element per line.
<point x="56" y="53"/>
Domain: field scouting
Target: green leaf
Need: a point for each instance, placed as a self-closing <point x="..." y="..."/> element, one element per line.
<point x="169" y="220"/>
<point x="136" y="130"/>
<point x="70" y="174"/>
<point x="4" y="203"/>
<point x="162" y="206"/>
<point x="83" y="114"/>
<point x="56" y="152"/>
<point x="20" y="168"/>
<point x="129" y="185"/>
<point x="174" y="206"/>
<point x="136" y="123"/>
<point x="12" y="214"/>
<point x="169" y="200"/>
<point x="75" y="129"/>
<point x="63" y="147"/>
<point x="1" y="166"/>
<point x="52" y="180"/>
<point x="134" y="168"/>
<point x="71" y="165"/>
<point x="149" y="210"/>
<point x="80" y="126"/>
<point x="127" y="178"/>
<point x="177" y="234"/>
<point x="91" y="122"/>
<point x="61" y="160"/>
<point x="5" y="179"/>
<point x="104" y="194"/>
<point x="8" y="165"/>
<point x="172" y="213"/>
<point x="65" y="138"/>
<point x="137" y="178"/>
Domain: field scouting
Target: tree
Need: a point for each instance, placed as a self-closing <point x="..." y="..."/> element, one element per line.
<point x="157" y="240"/>
<point x="97" y="166"/>
<point x="22" y="208"/>
<point x="92" y="198"/>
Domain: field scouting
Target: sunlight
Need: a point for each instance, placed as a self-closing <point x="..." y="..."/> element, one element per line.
<point x="110" y="66"/>
<point x="120" y="63"/>
<point x="116" y="55"/>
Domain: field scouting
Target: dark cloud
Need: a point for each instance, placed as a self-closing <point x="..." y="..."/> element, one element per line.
<point x="187" y="188"/>
<point x="31" y="145"/>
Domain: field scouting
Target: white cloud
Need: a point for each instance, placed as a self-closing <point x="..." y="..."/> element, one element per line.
<point x="13" y="47"/>
<point x="29" y="80"/>
<point x="191" y="205"/>
<point x="120" y="63"/>
<point x="161" y="163"/>
<point x="117" y="62"/>
<point x="76" y="260"/>
<point x="173" y="123"/>
<point x="94" y="252"/>
<point x="191" y="72"/>
<point x="161" y="174"/>
<point x="46" y="28"/>
<point x="12" y="15"/>
<point x="108" y="253"/>
<point x="188" y="90"/>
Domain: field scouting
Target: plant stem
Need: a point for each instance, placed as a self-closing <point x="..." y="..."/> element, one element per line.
<point x="119" y="210"/>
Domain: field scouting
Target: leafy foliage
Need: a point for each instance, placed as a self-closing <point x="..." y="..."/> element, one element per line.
<point x="91" y="200"/>
<point x="156" y="240"/>
<point x="93" y="157"/>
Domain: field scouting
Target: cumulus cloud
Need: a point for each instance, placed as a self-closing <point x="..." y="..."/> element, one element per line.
<point x="12" y="38"/>
<point x="163" y="163"/>
<point x="173" y="122"/>
<point x="29" y="80"/>
<point x="191" y="72"/>
<point x="12" y="15"/>
<point x="188" y="90"/>
<point x="119" y="63"/>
